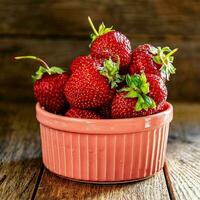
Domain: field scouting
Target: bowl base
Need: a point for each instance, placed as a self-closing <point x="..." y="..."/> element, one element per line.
<point x="102" y="182"/>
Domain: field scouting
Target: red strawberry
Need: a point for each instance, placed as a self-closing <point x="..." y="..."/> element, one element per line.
<point x="88" y="87"/>
<point x="125" y="107"/>
<point x="163" y="107"/>
<point x="84" y="61"/>
<point x="157" y="89"/>
<point x="78" y="113"/>
<point x="108" y="43"/>
<point x="153" y="60"/>
<point x="144" y="95"/>
<point x="49" y="86"/>
<point x="81" y="61"/>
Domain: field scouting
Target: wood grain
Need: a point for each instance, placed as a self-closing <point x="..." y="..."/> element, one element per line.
<point x="184" y="152"/>
<point x="69" y="18"/>
<point x="20" y="161"/>
<point x="15" y="82"/>
<point x="54" y="187"/>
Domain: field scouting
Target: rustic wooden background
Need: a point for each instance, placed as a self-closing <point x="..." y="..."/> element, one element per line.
<point x="58" y="31"/>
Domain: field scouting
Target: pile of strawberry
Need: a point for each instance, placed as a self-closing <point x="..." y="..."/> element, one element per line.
<point x="111" y="82"/>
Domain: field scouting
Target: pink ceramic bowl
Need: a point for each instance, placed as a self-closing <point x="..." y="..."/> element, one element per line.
<point x="110" y="150"/>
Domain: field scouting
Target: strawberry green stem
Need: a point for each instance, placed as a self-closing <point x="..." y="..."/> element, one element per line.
<point x="138" y="87"/>
<point x="33" y="58"/>
<point x="170" y="53"/>
<point x="93" y="27"/>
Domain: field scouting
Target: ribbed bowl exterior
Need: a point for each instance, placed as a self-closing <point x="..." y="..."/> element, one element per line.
<point x="100" y="157"/>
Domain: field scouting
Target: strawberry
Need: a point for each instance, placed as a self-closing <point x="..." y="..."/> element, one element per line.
<point x="143" y="95"/>
<point x="151" y="60"/>
<point x="88" y="87"/>
<point x="48" y="86"/>
<point x="81" y="61"/>
<point x="108" y="43"/>
<point x="163" y="107"/>
<point x="78" y="113"/>
<point x="125" y="107"/>
<point x="157" y="89"/>
<point x="85" y="61"/>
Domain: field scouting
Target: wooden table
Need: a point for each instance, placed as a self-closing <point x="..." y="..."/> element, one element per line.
<point x="23" y="176"/>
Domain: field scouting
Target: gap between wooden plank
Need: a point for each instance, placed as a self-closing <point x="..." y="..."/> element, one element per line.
<point x="38" y="182"/>
<point x="168" y="182"/>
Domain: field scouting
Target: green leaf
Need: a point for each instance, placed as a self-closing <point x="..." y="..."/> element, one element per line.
<point x="140" y="99"/>
<point x="153" y="104"/>
<point x="165" y="58"/>
<point x="172" y="69"/>
<point x="143" y="78"/>
<point x="128" y="79"/>
<point x="145" y="88"/>
<point x="138" y="106"/>
<point x="148" y="100"/>
<point x="138" y="83"/>
<point x="101" y="30"/>
<point x="113" y="85"/>
<point x="166" y="49"/>
<point x="110" y="70"/>
<point x="171" y="59"/>
<point x="42" y="70"/>
<point x="157" y="59"/>
<point x="120" y="78"/>
<point x="39" y="73"/>
<point x="145" y="106"/>
<point x="56" y="70"/>
<point x="135" y="81"/>
<point x="131" y="94"/>
<point x="125" y="89"/>
<point x="144" y="102"/>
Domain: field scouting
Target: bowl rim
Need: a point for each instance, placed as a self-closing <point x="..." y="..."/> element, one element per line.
<point x="104" y="126"/>
<point x="44" y="112"/>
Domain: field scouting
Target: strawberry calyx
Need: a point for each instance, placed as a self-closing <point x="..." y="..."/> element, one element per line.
<point x="110" y="70"/>
<point x="164" y="57"/>
<point x="42" y="69"/>
<point x="138" y="87"/>
<point x="101" y="31"/>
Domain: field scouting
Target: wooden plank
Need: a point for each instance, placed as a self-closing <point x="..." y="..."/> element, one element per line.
<point x="20" y="161"/>
<point x="54" y="187"/>
<point x="16" y="74"/>
<point x="177" y="17"/>
<point x="184" y="152"/>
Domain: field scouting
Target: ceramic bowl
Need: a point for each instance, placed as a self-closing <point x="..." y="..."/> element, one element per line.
<point x="105" y="150"/>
